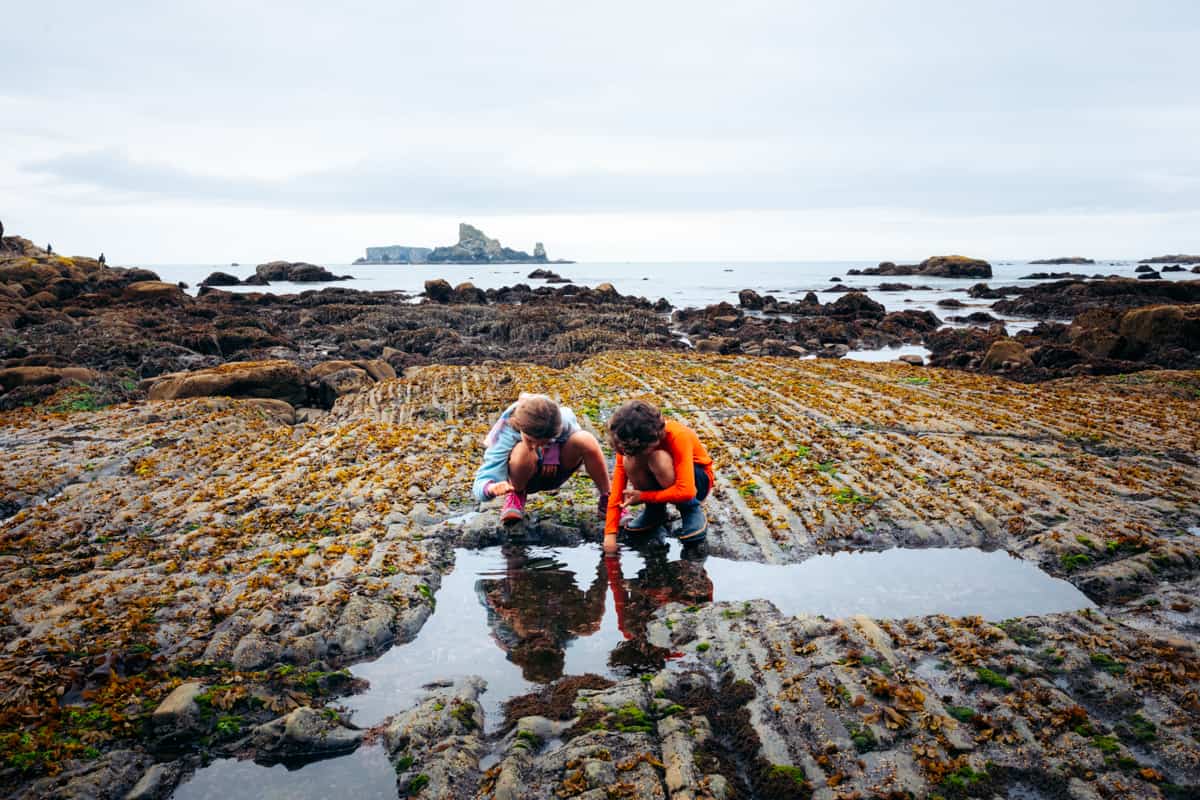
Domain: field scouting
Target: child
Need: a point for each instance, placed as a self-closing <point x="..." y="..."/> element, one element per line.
<point x="666" y="463"/>
<point x="535" y="446"/>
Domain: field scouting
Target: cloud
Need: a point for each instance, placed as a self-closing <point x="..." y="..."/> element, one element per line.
<point x="432" y="186"/>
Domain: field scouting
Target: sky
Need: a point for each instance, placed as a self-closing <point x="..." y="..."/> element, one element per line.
<point x="208" y="132"/>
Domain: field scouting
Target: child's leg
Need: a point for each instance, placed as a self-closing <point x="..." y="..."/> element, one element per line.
<point x="647" y="472"/>
<point x="652" y="470"/>
<point x="522" y="466"/>
<point x="582" y="448"/>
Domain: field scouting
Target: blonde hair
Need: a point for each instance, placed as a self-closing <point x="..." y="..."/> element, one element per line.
<point x="536" y="415"/>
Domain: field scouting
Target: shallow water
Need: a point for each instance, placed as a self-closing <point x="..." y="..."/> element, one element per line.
<point x="524" y="615"/>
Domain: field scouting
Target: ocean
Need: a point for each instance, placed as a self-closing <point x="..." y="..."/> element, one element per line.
<point x="685" y="284"/>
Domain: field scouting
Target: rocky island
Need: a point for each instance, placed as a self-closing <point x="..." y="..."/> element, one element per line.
<point x="214" y="509"/>
<point x="936" y="267"/>
<point x="473" y="247"/>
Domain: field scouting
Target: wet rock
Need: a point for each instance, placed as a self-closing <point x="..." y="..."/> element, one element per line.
<point x="1064" y="260"/>
<point x="856" y="305"/>
<point x="179" y="713"/>
<point x="950" y="302"/>
<point x="305" y="733"/>
<point x="12" y="377"/>
<point x="1006" y="354"/>
<point x="913" y="359"/>
<point x="748" y="298"/>
<point x="438" y="290"/>
<point x="467" y="294"/>
<point x="1149" y="275"/>
<point x="936" y="266"/>
<point x="109" y="777"/>
<point x="156" y="783"/>
<point x="436" y="746"/>
<point x="221" y="279"/>
<point x="296" y="272"/>
<point x="155" y="292"/>
<point x="281" y="380"/>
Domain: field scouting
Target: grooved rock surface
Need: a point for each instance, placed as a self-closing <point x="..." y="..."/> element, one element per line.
<point x="148" y="545"/>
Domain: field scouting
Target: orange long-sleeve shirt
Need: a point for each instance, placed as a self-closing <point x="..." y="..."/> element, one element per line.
<point x="686" y="449"/>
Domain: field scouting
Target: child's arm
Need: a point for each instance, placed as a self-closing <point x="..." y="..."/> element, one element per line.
<point x="494" y="468"/>
<point x="612" y="519"/>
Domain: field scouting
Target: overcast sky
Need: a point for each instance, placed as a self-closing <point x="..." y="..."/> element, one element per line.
<point x="178" y="132"/>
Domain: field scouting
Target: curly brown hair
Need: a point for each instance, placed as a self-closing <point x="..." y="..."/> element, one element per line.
<point x="635" y="426"/>
<point x="536" y="415"/>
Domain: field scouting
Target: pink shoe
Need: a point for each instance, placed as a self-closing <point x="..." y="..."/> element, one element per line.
<point x="513" y="509"/>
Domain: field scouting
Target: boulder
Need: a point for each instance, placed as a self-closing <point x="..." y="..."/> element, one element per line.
<point x="12" y="377"/>
<point x="912" y="358"/>
<point x="158" y="292"/>
<point x="1149" y="275"/>
<point x="179" y="713"/>
<point x="281" y="380"/>
<point x="950" y="302"/>
<point x="305" y="733"/>
<point x="438" y="290"/>
<point x="717" y="344"/>
<point x="466" y="293"/>
<point x="297" y="272"/>
<point x="856" y="305"/>
<point x="337" y="384"/>
<point x="955" y="267"/>
<point x="1158" y="328"/>
<point x="220" y="279"/>
<point x="748" y="298"/>
<point x="1006" y="354"/>
<point x="1143" y="268"/>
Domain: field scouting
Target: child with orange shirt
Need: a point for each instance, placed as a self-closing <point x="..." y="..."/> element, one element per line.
<point x="664" y="462"/>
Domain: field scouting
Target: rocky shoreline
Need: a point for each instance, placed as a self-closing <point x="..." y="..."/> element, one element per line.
<point x="186" y="576"/>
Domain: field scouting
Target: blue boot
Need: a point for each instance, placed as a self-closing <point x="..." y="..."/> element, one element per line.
<point x="652" y="516"/>
<point x="695" y="523"/>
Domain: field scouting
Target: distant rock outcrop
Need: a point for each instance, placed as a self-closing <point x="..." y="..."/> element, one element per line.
<point x="935" y="267"/>
<point x="475" y="247"/>
<point x="297" y="272"/>
<point x="1177" y="259"/>
<point x="1064" y="260"/>
<point x="396" y="254"/>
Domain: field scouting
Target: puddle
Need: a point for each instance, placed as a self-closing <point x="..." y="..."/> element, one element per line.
<point x="888" y="353"/>
<point x="524" y="615"/>
<point x="365" y="773"/>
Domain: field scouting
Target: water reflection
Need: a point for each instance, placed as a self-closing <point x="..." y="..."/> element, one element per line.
<point x="536" y="608"/>
<point x="523" y="615"/>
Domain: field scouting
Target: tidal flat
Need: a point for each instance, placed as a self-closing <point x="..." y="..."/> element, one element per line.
<point x="191" y="580"/>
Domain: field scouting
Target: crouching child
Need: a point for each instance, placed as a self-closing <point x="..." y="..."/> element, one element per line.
<point x="535" y="446"/>
<point x="659" y="462"/>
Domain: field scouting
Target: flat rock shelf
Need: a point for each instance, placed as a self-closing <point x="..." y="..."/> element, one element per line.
<point x="204" y="582"/>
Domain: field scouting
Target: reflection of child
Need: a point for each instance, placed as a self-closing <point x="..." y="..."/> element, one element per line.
<point x="658" y="583"/>
<point x="535" y="610"/>
<point x="665" y="463"/>
<point x="535" y="446"/>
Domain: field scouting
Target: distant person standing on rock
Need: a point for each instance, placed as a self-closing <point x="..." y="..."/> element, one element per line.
<point x="535" y="446"/>
<point x="666" y="463"/>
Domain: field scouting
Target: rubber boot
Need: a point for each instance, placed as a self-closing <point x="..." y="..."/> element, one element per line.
<point x="652" y="516"/>
<point x="695" y="523"/>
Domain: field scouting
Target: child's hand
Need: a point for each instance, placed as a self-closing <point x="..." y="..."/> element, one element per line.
<point x="549" y="470"/>
<point x="500" y="488"/>
<point x="631" y="497"/>
<point x="610" y="543"/>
